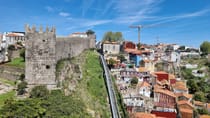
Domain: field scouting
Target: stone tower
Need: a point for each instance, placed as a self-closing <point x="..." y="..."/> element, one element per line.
<point x="40" y="56"/>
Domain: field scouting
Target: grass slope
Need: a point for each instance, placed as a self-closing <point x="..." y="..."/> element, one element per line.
<point x="91" y="89"/>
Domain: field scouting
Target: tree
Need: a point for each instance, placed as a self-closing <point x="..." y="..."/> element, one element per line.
<point x="90" y="32"/>
<point x="134" y="81"/>
<point x="22" y="77"/>
<point x="121" y="58"/>
<point x="202" y="111"/>
<point x="22" y="54"/>
<point x="39" y="92"/>
<point x="205" y="47"/>
<point x="21" y="88"/>
<point x="11" y="47"/>
<point x="193" y="87"/>
<point x="199" y="96"/>
<point x="113" y="36"/>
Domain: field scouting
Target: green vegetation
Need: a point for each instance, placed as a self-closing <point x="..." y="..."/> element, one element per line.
<point x="6" y="81"/>
<point x="199" y="86"/>
<point x="39" y="92"/>
<point x="90" y="32"/>
<point x="17" y="62"/>
<point x="4" y="97"/>
<point x="22" y="53"/>
<point x="21" y="88"/>
<point x="113" y="36"/>
<point x="91" y="88"/>
<point x="120" y="103"/>
<point x="8" y="95"/>
<point x="56" y="105"/>
<point x="89" y="99"/>
<point x="134" y="81"/>
<point x="205" y="47"/>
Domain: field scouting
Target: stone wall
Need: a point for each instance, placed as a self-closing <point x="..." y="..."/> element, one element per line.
<point x="43" y="50"/>
<point x="40" y="58"/>
<point x="11" y="73"/>
<point x="67" y="47"/>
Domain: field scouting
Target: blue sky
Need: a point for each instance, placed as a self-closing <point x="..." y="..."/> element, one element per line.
<point x="173" y="21"/>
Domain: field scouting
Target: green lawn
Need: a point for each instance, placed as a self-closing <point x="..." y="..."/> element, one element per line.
<point x="8" y="95"/>
<point x="17" y="62"/>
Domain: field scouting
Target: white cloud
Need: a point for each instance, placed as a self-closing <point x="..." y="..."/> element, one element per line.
<point x="86" y="5"/>
<point x="49" y="9"/>
<point x="85" y="23"/>
<point x="135" y="10"/>
<point x="64" y="14"/>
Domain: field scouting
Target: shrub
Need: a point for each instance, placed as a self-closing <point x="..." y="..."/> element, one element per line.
<point x="39" y="92"/>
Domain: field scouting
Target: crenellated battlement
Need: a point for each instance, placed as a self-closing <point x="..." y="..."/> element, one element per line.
<point x="43" y="50"/>
<point x="33" y="29"/>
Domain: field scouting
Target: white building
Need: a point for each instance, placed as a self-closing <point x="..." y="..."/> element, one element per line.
<point x="79" y="34"/>
<point x="111" y="47"/>
<point x="144" y="89"/>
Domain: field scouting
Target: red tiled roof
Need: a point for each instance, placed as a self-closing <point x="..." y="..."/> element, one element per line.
<point x="144" y="115"/>
<point x="198" y="103"/>
<point x="164" y="114"/>
<point x="184" y="102"/>
<point x="167" y="92"/>
<point x="144" y="84"/>
<point x="186" y="110"/>
<point x="204" y="116"/>
<point x="184" y="94"/>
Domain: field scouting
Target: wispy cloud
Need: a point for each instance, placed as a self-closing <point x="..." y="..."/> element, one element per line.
<point x="84" y="23"/>
<point x="86" y="5"/>
<point x="135" y="11"/>
<point x="64" y="14"/>
<point x="49" y="8"/>
<point x="165" y="19"/>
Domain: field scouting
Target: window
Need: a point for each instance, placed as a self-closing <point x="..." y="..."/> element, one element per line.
<point x="47" y="67"/>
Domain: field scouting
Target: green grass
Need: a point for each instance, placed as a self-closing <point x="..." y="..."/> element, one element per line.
<point x="6" y="81"/>
<point x="6" y="96"/>
<point x="17" y="62"/>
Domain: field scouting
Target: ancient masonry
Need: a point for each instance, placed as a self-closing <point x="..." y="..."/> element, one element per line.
<point x="44" y="49"/>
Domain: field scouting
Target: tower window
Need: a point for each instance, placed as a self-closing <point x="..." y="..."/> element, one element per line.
<point x="43" y="40"/>
<point x="47" y="67"/>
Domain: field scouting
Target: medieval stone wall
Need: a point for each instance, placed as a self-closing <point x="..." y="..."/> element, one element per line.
<point x="43" y="50"/>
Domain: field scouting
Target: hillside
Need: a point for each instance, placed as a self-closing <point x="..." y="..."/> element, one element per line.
<point x="82" y="93"/>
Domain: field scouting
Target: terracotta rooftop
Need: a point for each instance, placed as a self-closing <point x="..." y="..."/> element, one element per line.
<point x="144" y="84"/>
<point x="147" y="60"/>
<point x="198" y="103"/>
<point x="204" y="116"/>
<point x="160" y="72"/>
<point x="167" y="92"/>
<point x="185" y="110"/>
<point x="142" y="69"/>
<point x="172" y="76"/>
<point x="185" y="102"/>
<point x="184" y="94"/>
<point x="180" y="86"/>
<point x="144" y="115"/>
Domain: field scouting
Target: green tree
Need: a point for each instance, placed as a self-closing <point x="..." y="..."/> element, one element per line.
<point x="21" y="88"/>
<point x="113" y="36"/>
<point x="193" y="87"/>
<point x="199" y="96"/>
<point x="205" y="47"/>
<point x="134" y="81"/>
<point x="90" y="32"/>
<point x="39" y="92"/>
<point x="121" y="58"/>
<point x="202" y="111"/>
<point x="22" y="54"/>
<point x="11" y="47"/>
